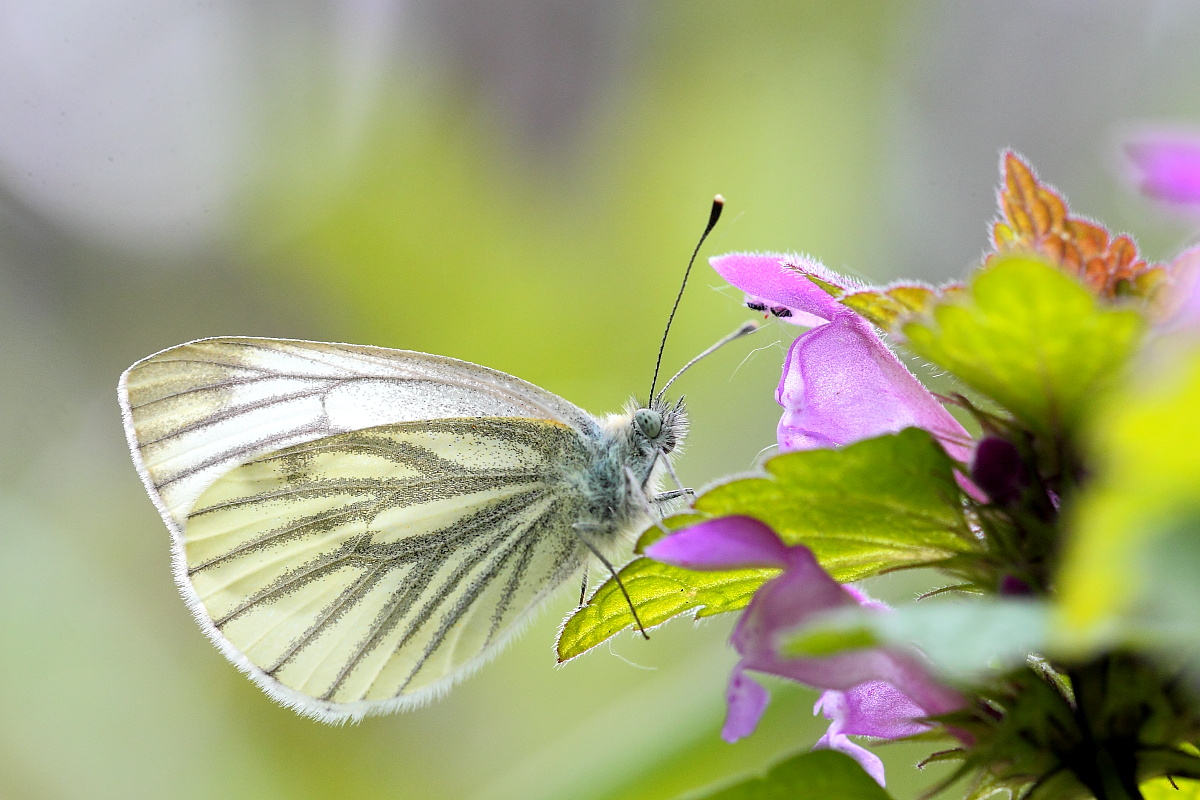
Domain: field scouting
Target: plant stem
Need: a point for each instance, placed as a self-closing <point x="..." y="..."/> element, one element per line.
<point x="1107" y="764"/>
<point x="1115" y="784"/>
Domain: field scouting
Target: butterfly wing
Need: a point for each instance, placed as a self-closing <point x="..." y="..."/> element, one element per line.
<point x="366" y="572"/>
<point x="355" y="527"/>
<point x="194" y="411"/>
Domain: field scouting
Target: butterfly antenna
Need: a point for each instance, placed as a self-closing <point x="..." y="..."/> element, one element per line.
<point x="718" y="204"/>
<point x="744" y="329"/>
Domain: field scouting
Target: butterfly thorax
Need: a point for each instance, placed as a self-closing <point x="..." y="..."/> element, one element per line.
<point x="627" y="467"/>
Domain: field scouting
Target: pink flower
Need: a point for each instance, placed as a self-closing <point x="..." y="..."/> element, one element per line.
<point x="873" y="691"/>
<point x="1169" y="166"/>
<point x="876" y="709"/>
<point x="840" y="382"/>
<point x="1183" y="311"/>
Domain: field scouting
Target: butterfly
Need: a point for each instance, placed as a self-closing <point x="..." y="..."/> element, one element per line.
<point x="358" y="528"/>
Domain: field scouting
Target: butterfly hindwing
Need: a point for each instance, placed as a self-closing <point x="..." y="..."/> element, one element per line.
<point x="367" y="571"/>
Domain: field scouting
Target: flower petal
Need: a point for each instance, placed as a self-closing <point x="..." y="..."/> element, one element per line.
<point x="842" y="384"/>
<point x="846" y="670"/>
<point x="874" y="708"/>
<point x="767" y="279"/>
<point x="1184" y="311"/>
<point x="746" y="699"/>
<point x="783" y="603"/>
<point x="876" y="692"/>
<point x="1170" y="166"/>
<point x="723" y="543"/>
<point x="871" y="763"/>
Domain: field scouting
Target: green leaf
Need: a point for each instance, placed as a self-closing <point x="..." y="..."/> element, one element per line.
<point x="829" y="635"/>
<point x="819" y="775"/>
<point x="832" y="289"/>
<point x="987" y="786"/>
<point x="887" y="306"/>
<point x="967" y="638"/>
<point x="1164" y="789"/>
<point x="1131" y="560"/>
<point x="660" y="592"/>
<point x="1031" y="338"/>
<point x="877" y="505"/>
<point x="1176" y="788"/>
<point x="1167" y="612"/>
<point x="963" y="639"/>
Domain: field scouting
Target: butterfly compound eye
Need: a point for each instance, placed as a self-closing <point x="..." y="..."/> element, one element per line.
<point x="648" y="422"/>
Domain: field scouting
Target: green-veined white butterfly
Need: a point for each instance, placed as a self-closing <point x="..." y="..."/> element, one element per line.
<point x="358" y="528"/>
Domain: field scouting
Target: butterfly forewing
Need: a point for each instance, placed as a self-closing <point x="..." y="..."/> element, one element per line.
<point x="366" y="571"/>
<point x="195" y="411"/>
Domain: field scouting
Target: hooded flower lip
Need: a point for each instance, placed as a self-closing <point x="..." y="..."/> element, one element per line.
<point x="1168" y="166"/>
<point x="872" y="691"/>
<point x="771" y="285"/>
<point x="841" y="383"/>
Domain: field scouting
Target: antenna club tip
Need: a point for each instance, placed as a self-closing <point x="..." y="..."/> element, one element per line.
<point x="717" y="205"/>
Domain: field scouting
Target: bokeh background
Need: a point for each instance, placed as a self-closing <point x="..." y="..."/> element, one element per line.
<point x="512" y="182"/>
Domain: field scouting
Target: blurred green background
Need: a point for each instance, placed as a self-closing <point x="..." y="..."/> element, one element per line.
<point x="512" y="182"/>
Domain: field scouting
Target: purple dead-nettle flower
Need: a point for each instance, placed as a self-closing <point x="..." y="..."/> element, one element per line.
<point x="1183" y="312"/>
<point x="876" y="709"/>
<point x="873" y="691"/>
<point x="840" y="382"/>
<point x="1168" y="166"/>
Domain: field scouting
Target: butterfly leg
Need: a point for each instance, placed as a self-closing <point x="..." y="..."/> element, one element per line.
<point x="581" y="529"/>
<point x="668" y="495"/>
<point x="647" y="503"/>
<point x="674" y="477"/>
<point x="583" y="588"/>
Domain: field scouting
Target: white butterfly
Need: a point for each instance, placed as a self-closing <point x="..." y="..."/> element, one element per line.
<point x="358" y="528"/>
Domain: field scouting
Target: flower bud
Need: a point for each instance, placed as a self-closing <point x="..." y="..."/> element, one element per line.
<point x="999" y="470"/>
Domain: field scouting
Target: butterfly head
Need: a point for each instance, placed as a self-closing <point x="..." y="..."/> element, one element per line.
<point x="658" y="425"/>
